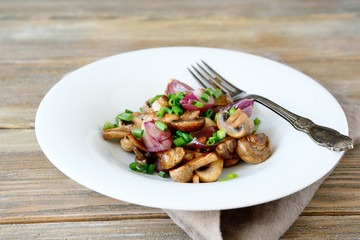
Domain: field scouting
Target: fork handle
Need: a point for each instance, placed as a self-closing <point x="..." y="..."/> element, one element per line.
<point x="321" y="135"/>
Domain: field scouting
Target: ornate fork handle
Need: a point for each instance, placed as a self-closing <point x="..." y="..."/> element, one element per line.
<point x="321" y="135"/>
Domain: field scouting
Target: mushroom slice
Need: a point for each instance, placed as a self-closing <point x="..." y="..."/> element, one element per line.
<point x="185" y="172"/>
<point x="231" y="162"/>
<point x="162" y="101"/>
<point x="190" y="115"/>
<point x="168" y="118"/>
<point x="226" y="149"/>
<point x="212" y="171"/>
<point x="118" y="132"/>
<point x="190" y="155"/>
<point x="255" y="148"/>
<point x="172" y="157"/>
<point x="237" y="125"/>
<point x="136" y="142"/>
<point x="222" y="100"/>
<point x="140" y="158"/>
<point x="209" y="123"/>
<point x="188" y="125"/>
<point x="195" y="178"/>
<point x="127" y="144"/>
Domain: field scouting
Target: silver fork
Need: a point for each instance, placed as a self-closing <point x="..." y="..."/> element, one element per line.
<point x="321" y="135"/>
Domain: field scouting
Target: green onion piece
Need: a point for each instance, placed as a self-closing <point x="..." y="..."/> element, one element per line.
<point x="216" y="137"/>
<point x="179" y="142"/>
<point x="221" y="134"/>
<point x="151" y="169"/>
<point x="161" y="112"/>
<point x="179" y="133"/>
<point x="223" y="180"/>
<point x="181" y="95"/>
<point x="211" y="141"/>
<point x="141" y="109"/>
<point x="205" y="97"/>
<point x="138" y="167"/>
<point x="208" y="113"/>
<point x="168" y="110"/>
<point x="187" y="137"/>
<point x="162" y="174"/>
<point x="216" y="117"/>
<point x="232" y="175"/>
<point x="256" y="125"/>
<point x="108" y="125"/>
<point x="197" y="104"/>
<point x="217" y="93"/>
<point x="160" y="125"/>
<point x="127" y="117"/>
<point x="231" y="111"/>
<point x="155" y="98"/>
<point x="209" y="91"/>
<point x="137" y="132"/>
<point x="171" y="95"/>
<point x="172" y="102"/>
<point x="177" y="110"/>
<point x="128" y="111"/>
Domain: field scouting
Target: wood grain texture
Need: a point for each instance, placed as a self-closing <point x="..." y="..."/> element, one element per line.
<point x="42" y="40"/>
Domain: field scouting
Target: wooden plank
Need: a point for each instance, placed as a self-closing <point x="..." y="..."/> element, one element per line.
<point x="324" y="227"/>
<point x="46" y="40"/>
<point x="159" y="229"/>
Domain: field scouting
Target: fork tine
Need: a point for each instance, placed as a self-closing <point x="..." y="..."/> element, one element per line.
<point x="219" y="76"/>
<point x="197" y="79"/>
<point x="203" y="80"/>
<point x="213" y="81"/>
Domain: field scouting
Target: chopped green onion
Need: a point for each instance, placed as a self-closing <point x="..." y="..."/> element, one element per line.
<point x="221" y="134"/>
<point x="138" y="167"/>
<point x="179" y="142"/>
<point x="171" y="95"/>
<point x="179" y="133"/>
<point x="216" y="117"/>
<point x="160" y="125"/>
<point x="205" y="97"/>
<point x="223" y="180"/>
<point x="172" y="102"/>
<point x="231" y="111"/>
<point x="109" y="125"/>
<point x="232" y="175"/>
<point x="185" y="136"/>
<point x="211" y="141"/>
<point x="137" y="132"/>
<point x="127" y="117"/>
<point x="162" y="174"/>
<point x="215" y="136"/>
<point x="209" y="91"/>
<point x="141" y="109"/>
<point x="256" y="125"/>
<point x="180" y="95"/>
<point x="217" y="93"/>
<point x="177" y="110"/>
<point x="161" y="112"/>
<point x="208" y="113"/>
<point x="155" y="98"/>
<point x="151" y="169"/>
<point x="197" y="104"/>
<point x="168" y="110"/>
<point x="128" y="111"/>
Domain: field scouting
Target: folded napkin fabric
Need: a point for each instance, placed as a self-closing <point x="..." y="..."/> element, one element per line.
<point x="265" y="221"/>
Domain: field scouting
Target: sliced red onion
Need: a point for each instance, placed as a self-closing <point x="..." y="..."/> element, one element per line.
<point x="246" y="105"/>
<point x="156" y="140"/>
<point x="175" y="86"/>
<point x="187" y="101"/>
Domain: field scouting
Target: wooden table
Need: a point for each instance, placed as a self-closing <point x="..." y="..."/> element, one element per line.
<point x="40" y="41"/>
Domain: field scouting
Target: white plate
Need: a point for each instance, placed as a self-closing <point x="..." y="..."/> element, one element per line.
<point x="71" y="115"/>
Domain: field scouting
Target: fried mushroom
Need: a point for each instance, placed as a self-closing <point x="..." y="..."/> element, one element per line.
<point x="255" y="148"/>
<point x="237" y="125"/>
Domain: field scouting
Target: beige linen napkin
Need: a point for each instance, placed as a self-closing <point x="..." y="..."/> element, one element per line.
<point x="266" y="221"/>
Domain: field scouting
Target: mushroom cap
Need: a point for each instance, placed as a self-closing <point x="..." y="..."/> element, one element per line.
<point x="181" y="174"/>
<point x="231" y="162"/>
<point x="191" y="125"/>
<point x="255" y="148"/>
<point x="212" y="172"/>
<point x="226" y="149"/>
<point x="171" y="157"/>
<point x="237" y="125"/>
